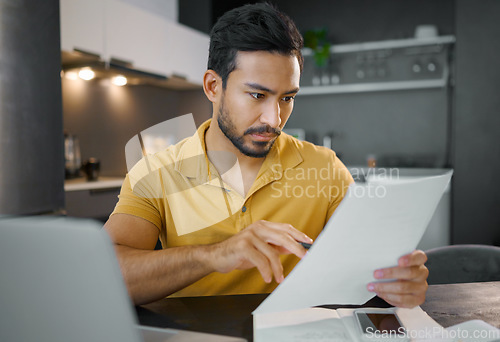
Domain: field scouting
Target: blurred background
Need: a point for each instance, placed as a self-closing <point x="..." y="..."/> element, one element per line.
<point x="411" y="85"/>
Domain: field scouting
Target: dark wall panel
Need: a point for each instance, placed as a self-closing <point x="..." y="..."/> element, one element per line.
<point x="196" y="14"/>
<point x="31" y="137"/>
<point x="360" y="20"/>
<point x="394" y="124"/>
<point x="477" y="124"/>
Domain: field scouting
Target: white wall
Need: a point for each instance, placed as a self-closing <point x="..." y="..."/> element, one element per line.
<point x="164" y="8"/>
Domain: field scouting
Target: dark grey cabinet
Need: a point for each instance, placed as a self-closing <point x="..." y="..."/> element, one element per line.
<point x="92" y="203"/>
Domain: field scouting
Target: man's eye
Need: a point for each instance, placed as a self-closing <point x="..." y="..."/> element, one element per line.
<point x="288" y="98"/>
<point x="257" y="95"/>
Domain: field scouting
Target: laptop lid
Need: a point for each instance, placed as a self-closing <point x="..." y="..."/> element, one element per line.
<point x="60" y="281"/>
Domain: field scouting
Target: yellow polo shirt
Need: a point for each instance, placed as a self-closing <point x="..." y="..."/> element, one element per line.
<point x="180" y="192"/>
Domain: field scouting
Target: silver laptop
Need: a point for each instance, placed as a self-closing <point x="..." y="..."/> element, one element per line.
<point x="60" y="281"/>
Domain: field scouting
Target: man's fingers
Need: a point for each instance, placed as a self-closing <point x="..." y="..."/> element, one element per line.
<point x="251" y="251"/>
<point x="260" y="245"/>
<point x="410" y="287"/>
<point x="288" y="228"/>
<point x="407" y="273"/>
<point x="288" y="245"/>
<point x="400" y="293"/>
<point x="261" y="263"/>
<point x="399" y="287"/>
<point x="414" y="258"/>
<point x="272" y="256"/>
<point x="284" y="236"/>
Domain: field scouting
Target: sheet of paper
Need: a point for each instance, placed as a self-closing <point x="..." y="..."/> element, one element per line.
<point x="312" y="324"/>
<point x="472" y="331"/>
<point x="321" y="324"/>
<point x="375" y="224"/>
<point x="293" y="317"/>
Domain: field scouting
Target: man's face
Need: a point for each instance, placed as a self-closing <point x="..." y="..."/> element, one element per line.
<point x="258" y="100"/>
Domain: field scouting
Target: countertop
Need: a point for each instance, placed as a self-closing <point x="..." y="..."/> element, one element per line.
<point x="364" y="174"/>
<point x="79" y="184"/>
<point x="400" y="171"/>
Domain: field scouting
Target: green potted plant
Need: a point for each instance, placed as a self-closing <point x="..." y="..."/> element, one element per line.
<point x="317" y="41"/>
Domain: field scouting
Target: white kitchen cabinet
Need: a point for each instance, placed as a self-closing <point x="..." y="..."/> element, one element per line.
<point x="82" y="26"/>
<point x="188" y="55"/>
<point x="117" y="30"/>
<point x="136" y="36"/>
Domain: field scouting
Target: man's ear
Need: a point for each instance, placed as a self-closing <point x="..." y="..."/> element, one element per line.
<point x="212" y="85"/>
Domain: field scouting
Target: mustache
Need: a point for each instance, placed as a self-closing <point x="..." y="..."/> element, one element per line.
<point x="263" y="129"/>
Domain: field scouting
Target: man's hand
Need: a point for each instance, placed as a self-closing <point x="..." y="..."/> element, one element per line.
<point x="258" y="245"/>
<point x="411" y="284"/>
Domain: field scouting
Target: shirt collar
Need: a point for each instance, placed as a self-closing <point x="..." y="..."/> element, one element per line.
<point x="193" y="162"/>
<point x="192" y="158"/>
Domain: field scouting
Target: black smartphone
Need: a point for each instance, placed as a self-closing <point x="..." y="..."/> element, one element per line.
<point x="380" y="324"/>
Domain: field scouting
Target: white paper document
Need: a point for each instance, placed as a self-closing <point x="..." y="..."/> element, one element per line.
<point x="375" y="224"/>
<point x="321" y="324"/>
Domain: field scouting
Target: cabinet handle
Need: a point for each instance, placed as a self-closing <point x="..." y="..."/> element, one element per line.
<point x="96" y="192"/>
<point x="121" y="62"/>
<point x="87" y="53"/>
<point x="129" y="70"/>
<point x="179" y="76"/>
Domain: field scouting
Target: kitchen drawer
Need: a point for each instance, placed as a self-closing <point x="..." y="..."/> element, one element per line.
<point x="95" y="203"/>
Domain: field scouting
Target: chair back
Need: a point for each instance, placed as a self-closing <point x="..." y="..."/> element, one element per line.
<point x="463" y="264"/>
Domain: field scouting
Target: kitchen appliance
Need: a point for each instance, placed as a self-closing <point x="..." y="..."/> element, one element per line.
<point x="31" y="132"/>
<point x="91" y="168"/>
<point x="72" y="156"/>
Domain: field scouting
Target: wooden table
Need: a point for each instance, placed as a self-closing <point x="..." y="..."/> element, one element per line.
<point x="232" y="315"/>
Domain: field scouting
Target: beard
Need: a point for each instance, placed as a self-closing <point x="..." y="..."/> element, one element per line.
<point x="254" y="149"/>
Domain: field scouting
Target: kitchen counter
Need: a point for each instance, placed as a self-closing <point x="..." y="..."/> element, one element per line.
<point x="78" y="184"/>
<point x="395" y="172"/>
<point x="93" y="199"/>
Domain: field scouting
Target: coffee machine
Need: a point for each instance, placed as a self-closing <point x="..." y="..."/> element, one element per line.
<point x="72" y="157"/>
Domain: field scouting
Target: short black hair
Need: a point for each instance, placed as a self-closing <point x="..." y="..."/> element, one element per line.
<point x="253" y="27"/>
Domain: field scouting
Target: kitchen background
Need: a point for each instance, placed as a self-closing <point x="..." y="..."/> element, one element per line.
<point x="452" y="126"/>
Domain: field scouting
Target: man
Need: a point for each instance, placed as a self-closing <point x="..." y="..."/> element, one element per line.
<point x="233" y="229"/>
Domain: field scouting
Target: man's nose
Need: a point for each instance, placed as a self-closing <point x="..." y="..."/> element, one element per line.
<point x="271" y="115"/>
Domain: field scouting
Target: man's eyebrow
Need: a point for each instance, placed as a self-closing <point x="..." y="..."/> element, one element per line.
<point x="293" y="91"/>
<point x="257" y="86"/>
<point x="267" y="90"/>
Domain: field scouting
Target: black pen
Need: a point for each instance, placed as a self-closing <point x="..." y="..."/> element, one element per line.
<point x="306" y="245"/>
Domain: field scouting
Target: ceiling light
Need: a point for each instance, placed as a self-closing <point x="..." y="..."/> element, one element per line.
<point x="71" y="75"/>
<point x="119" y="80"/>
<point x="86" y="74"/>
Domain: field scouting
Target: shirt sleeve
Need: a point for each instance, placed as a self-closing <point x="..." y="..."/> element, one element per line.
<point x="342" y="180"/>
<point x="140" y="206"/>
